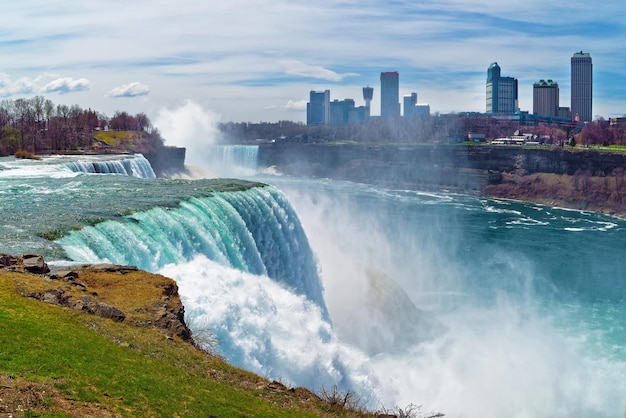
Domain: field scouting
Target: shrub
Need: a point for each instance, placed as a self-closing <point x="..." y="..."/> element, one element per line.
<point x="21" y="153"/>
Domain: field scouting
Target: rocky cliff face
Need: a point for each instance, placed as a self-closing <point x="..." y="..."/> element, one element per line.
<point x="581" y="179"/>
<point x="166" y="160"/>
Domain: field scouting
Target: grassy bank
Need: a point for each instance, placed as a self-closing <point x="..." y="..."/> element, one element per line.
<point x="62" y="362"/>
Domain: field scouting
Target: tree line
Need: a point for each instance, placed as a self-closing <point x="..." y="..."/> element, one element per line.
<point x="424" y="129"/>
<point x="39" y="126"/>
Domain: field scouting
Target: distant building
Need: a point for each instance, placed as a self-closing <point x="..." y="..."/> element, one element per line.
<point x="412" y="108"/>
<point x="618" y="122"/>
<point x="340" y="111"/>
<point x="564" y="113"/>
<point x="368" y="94"/>
<point x="389" y="95"/>
<point x="409" y="103"/>
<point x="318" y="108"/>
<point x="359" y="114"/>
<point x="501" y="92"/>
<point x="546" y="98"/>
<point x="422" y="109"/>
<point x="582" y="87"/>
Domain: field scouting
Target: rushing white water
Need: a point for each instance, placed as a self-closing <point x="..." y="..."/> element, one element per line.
<point x="523" y="334"/>
<point x="264" y="327"/>
<point x="232" y="160"/>
<point x="136" y="166"/>
<point x="62" y="166"/>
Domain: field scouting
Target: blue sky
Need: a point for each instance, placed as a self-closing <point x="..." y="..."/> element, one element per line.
<point x="257" y="61"/>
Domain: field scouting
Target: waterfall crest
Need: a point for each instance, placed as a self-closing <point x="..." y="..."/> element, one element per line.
<point x="230" y="160"/>
<point x="255" y="231"/>
<point x="135" y="166"/>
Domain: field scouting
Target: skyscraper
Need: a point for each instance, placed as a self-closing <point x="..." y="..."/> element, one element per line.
<point x="318" y="108"/>
<point x="582" y="86"/>
<point x="546" y="98"/>
<point x="389" y="95"/>
<point x="501" y="92"/>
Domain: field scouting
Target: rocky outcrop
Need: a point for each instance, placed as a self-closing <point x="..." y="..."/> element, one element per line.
<point x="85" y="303"/>
<point x="28" y="262"/>
<point x="121" y="293"/>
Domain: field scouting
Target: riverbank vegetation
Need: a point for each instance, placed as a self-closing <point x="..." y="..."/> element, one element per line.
<point x="39" y="126"/>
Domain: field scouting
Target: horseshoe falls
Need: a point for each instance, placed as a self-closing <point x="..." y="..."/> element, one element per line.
<point x="467" y="306"/>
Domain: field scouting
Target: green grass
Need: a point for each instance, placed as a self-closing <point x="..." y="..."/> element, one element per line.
<point x="132" y="371"/>
<point x="117" y="138"/>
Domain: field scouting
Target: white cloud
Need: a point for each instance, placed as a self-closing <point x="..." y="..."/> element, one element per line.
<point x="65" y="85"/>
<point x="247" y="60"/>
<point x="133" y="89"/>
<point x="296" y="105"/>
<point x="295" y="67"/>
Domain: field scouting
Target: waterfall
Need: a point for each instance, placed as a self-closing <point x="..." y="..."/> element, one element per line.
<point x="233" y="160"/>
<point x="136" y="166"/>
<point x="255" y="231"/>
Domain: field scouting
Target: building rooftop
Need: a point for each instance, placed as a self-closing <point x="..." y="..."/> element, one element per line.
<point x="544" y="83"/>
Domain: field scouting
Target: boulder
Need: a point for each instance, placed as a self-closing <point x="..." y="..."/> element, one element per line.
<point x="9" y="261"/>
<point x="108" y="311"/>
<point x="67" y="275"/>
<point x="34" y="263"/>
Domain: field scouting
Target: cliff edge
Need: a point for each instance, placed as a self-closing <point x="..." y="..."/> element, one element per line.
<point x="576" y="178"/>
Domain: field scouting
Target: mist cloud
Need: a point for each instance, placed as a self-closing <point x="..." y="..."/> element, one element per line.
<point x="190" y="126"/>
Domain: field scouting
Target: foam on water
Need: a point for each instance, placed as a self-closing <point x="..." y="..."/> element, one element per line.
<point x="264" y="327"/>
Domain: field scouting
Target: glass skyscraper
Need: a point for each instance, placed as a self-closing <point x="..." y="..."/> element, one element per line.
<point x="318" y="108"/>
<point x="582" y="87"/>
<point x="389" y="95"/>
<point x="501" y="92"/>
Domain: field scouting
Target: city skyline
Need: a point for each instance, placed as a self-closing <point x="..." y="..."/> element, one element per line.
<point x="241" y="62"/>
